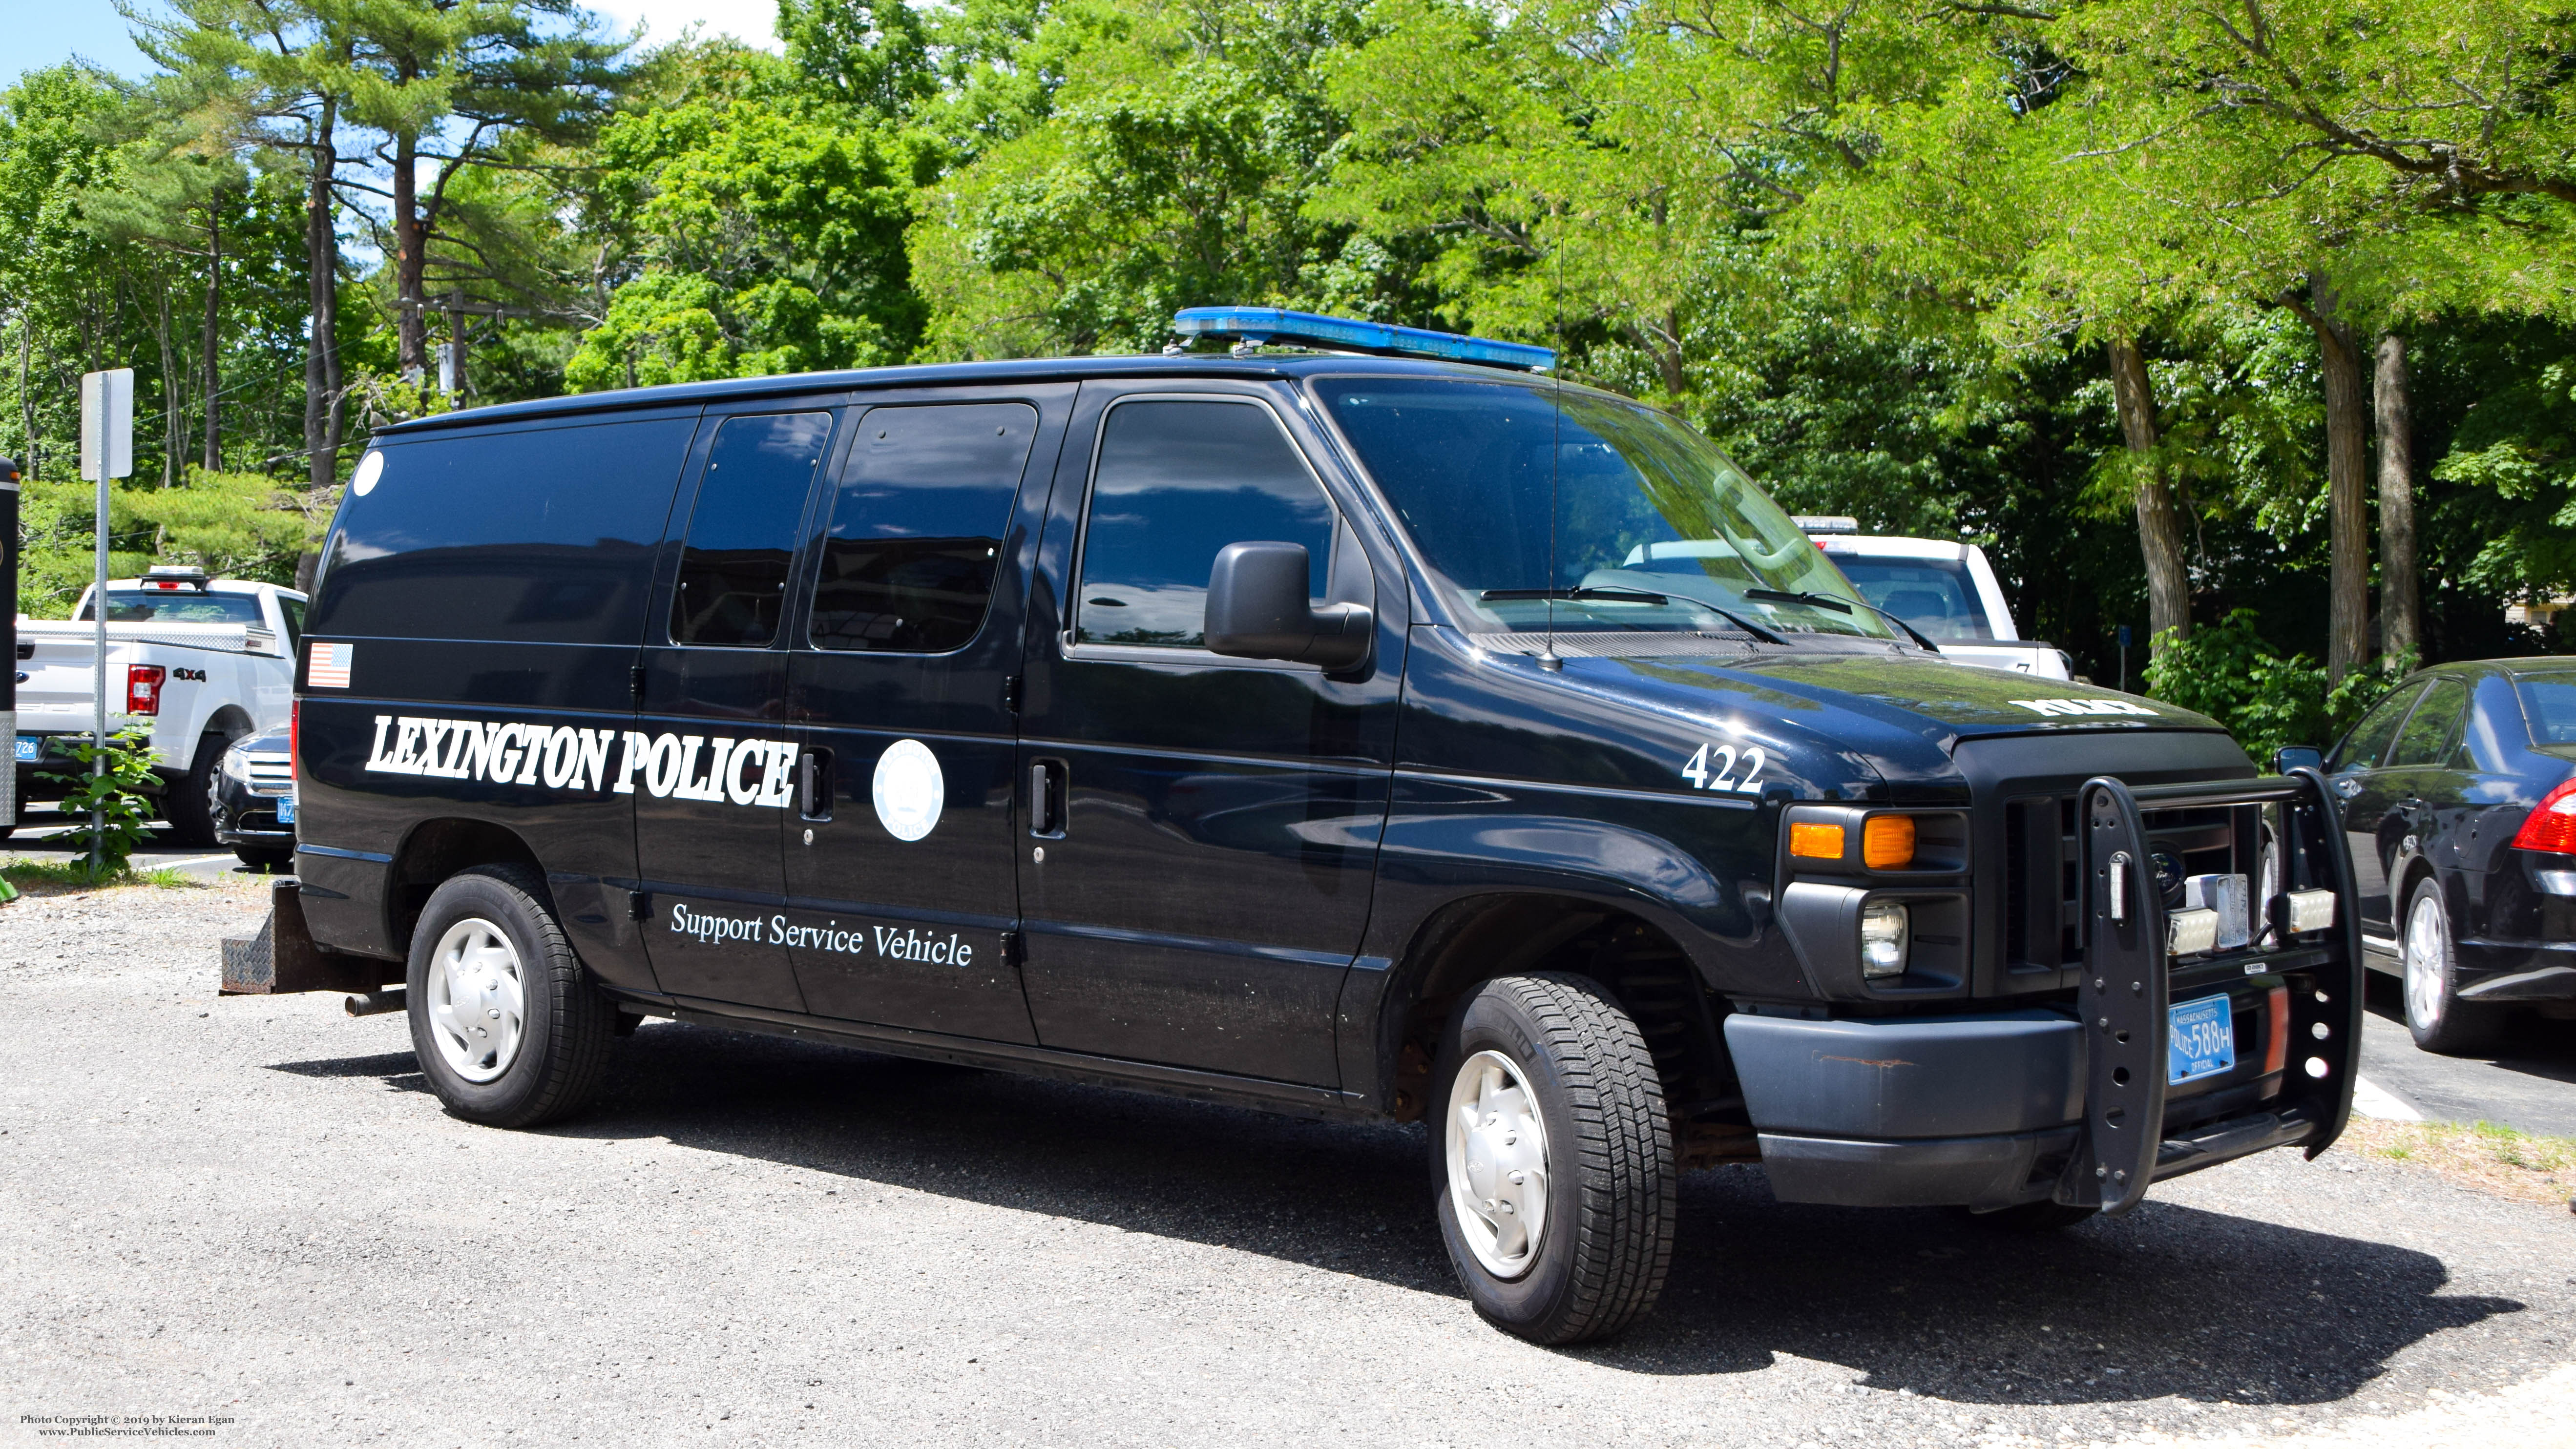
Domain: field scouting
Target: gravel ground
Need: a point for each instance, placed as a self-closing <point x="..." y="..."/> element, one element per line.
<point x="252" y="1209"/>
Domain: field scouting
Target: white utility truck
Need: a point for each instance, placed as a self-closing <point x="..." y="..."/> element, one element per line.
<point x="199" y="661"/>
<point x="1943" y="588"/>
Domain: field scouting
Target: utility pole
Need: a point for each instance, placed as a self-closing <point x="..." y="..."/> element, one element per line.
<point x="107" y="453"/>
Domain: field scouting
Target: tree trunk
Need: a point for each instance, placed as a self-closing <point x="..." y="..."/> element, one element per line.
<point x="2159" y="521"/>
<point x="322" y="356"/>
<point x="214" y="457"/>
<point x="411" y="350"/>
<point x="2347" y="508"/>
<point x="26" y="399"/>
<point x="2401" y="614"/>
<point x="174" y="413"/>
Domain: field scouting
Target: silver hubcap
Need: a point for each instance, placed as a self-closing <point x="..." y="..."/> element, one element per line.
<point x="477" y="1000"/>
<point x="1497" y="1164"/>
<point x="2426" y="940"/>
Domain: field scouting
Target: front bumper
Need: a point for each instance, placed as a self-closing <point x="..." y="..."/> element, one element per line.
<point x="2070" y="1103"/>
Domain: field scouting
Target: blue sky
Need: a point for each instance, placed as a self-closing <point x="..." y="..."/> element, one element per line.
<point x="48" y="32"/>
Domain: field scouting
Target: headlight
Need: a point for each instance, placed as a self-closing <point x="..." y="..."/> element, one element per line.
<point x="1883" y="930"/>
<point x="237" y="767"/>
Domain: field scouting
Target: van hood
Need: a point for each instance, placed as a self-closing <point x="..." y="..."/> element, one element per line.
<point x="1959" y="700"/>
<point x="1831" y="723"/>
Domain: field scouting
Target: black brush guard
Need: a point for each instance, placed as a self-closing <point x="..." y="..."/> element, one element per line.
<point x="2128" y="971"/>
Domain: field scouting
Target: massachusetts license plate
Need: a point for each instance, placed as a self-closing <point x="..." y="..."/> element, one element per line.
<point x="285" y="809"/>
<point x="2202" y="1042"/>
<point x="30" y="746"/>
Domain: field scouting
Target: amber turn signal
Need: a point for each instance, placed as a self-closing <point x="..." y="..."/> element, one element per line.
<point x="1816" y="842"/>
<point x="1886" y="842"/>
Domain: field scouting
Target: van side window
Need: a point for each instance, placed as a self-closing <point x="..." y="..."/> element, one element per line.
<point x="742" y="530"/>
<point x="524" y="535"/>
<point x="917" y="521"/>
<point x="1176" y="482"/>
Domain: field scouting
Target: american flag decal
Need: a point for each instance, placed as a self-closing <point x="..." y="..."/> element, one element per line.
<point x="329" y="667"/>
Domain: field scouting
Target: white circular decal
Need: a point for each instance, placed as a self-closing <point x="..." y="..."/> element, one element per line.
<point x="909" y="790"/>
<point x="370" y="468"/>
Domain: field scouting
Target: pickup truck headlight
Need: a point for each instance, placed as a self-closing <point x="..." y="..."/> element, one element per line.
<point x="1884" y="927"/>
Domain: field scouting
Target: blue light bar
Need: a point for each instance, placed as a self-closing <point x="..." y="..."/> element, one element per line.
<point x="1273" y="324"/>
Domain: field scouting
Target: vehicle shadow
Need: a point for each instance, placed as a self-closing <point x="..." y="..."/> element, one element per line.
<point x="2171" y="1300"/>
<point x="2532" y="1045"/>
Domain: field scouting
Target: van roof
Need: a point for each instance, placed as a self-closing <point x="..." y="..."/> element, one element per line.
<point x="1258" y="366"/>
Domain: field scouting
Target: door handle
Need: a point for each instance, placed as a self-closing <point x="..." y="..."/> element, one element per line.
<point x="814" y="783"/>
<point x="1046" y="798"/>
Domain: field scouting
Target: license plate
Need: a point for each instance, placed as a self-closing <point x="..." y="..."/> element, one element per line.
<point x="285" y="809"/>
<point x="2202" y="1041"/>
<point x="30" y="747"/>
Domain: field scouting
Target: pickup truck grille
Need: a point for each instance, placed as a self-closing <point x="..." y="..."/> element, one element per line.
<point x="2043" y="889"/>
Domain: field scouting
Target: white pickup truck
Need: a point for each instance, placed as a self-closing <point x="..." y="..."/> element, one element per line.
<point x="200" y="661"/>
<point x="1942" y="587"/>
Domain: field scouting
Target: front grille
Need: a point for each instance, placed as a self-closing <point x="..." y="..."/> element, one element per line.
<point x="270" y="772"/>
<point x="2043" y="872"/>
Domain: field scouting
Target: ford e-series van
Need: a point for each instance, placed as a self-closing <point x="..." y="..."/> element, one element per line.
<point x="1357" y="722"/>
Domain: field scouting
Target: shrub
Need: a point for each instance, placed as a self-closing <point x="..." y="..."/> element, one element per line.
<point x="2226" y="671"/>
<point x="115" y="796"/>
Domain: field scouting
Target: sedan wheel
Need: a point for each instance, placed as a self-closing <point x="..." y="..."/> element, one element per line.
<point x="2435" y="1015"/>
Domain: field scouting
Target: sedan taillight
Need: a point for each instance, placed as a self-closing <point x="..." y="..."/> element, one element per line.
<point x="2552" y="825"/>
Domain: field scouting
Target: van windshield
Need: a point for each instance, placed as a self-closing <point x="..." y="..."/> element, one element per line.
<point x="1607" y="516"/>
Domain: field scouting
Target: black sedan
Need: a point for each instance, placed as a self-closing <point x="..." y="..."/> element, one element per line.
<point x="253" y="797"/>
<point x="2459" y="800"/>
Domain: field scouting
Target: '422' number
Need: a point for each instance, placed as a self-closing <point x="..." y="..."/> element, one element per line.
<point x="1721" y="777"/>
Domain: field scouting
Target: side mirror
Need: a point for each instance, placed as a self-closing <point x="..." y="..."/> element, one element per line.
<point x="2297" y="757"/>
<point x="1257" y="609"/>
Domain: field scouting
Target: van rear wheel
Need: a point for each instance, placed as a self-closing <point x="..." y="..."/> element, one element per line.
<point x="509" y="1030"/>
<point x="1553" y="1159"/>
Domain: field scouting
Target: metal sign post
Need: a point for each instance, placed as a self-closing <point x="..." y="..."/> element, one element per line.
<point x="107" y="452"/>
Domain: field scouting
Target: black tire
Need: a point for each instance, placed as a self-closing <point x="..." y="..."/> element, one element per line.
<point x="1606" y="1240"/>
<point x="189" y="804"/>
<point x="261" y="857"/>
<point x="2033" y="1217"/>
<point x="565" y="1023"/>
<point x="2435" y="1015"/>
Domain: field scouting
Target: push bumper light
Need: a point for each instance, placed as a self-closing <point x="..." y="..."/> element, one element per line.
<point x="1884" y="927"/>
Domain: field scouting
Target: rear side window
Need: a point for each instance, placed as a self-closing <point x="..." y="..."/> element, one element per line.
<point x="742" y="529"/>
<point x="916" y="530"/>
<point x="2549" y="704"/>
<point x="2364" y="748"/>
<point x="178" y="606"/>
<point x="1176" y="483"/>
<point x="2431" y="728"/>
<point x="540" y="536"/>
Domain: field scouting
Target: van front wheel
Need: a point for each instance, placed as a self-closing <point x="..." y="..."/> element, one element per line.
<point x="509" y="1031"/>
<point x="1553" y="1159"/>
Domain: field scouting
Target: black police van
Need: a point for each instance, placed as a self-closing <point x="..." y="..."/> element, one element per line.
<point x="1356" y="722"/>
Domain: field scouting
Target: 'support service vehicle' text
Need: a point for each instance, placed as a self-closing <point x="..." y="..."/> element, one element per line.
<point x="1361" y="735"/>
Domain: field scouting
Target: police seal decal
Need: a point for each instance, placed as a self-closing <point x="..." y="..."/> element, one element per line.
<point x="909" y="790"/>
